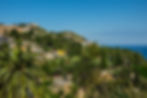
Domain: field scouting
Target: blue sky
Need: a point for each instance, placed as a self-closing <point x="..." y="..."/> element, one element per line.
<point x="109" y="22"/>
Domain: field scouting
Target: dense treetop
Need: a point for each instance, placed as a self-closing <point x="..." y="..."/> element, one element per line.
<point x="35" y="63"/>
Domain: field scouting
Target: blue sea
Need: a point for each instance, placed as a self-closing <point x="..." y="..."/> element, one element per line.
<point x="140" y="49"/>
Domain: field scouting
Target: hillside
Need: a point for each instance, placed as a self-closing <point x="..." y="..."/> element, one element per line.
<point x="35" y="63"/>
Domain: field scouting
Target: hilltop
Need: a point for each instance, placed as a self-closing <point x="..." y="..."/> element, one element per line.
<point x="36" y="63"/>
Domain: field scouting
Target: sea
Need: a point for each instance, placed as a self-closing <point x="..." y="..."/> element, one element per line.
<point x="139" y="49"/>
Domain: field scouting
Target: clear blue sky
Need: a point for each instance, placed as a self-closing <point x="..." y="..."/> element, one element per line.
<point x="110" y="22"/>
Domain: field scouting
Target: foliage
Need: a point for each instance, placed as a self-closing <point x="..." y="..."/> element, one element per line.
<point x="99" y="71"/>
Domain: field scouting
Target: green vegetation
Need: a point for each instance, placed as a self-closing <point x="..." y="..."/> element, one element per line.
<point x="41" y="64"/>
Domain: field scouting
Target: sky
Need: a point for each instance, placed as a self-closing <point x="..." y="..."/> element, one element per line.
<point x="108" y="22"/>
